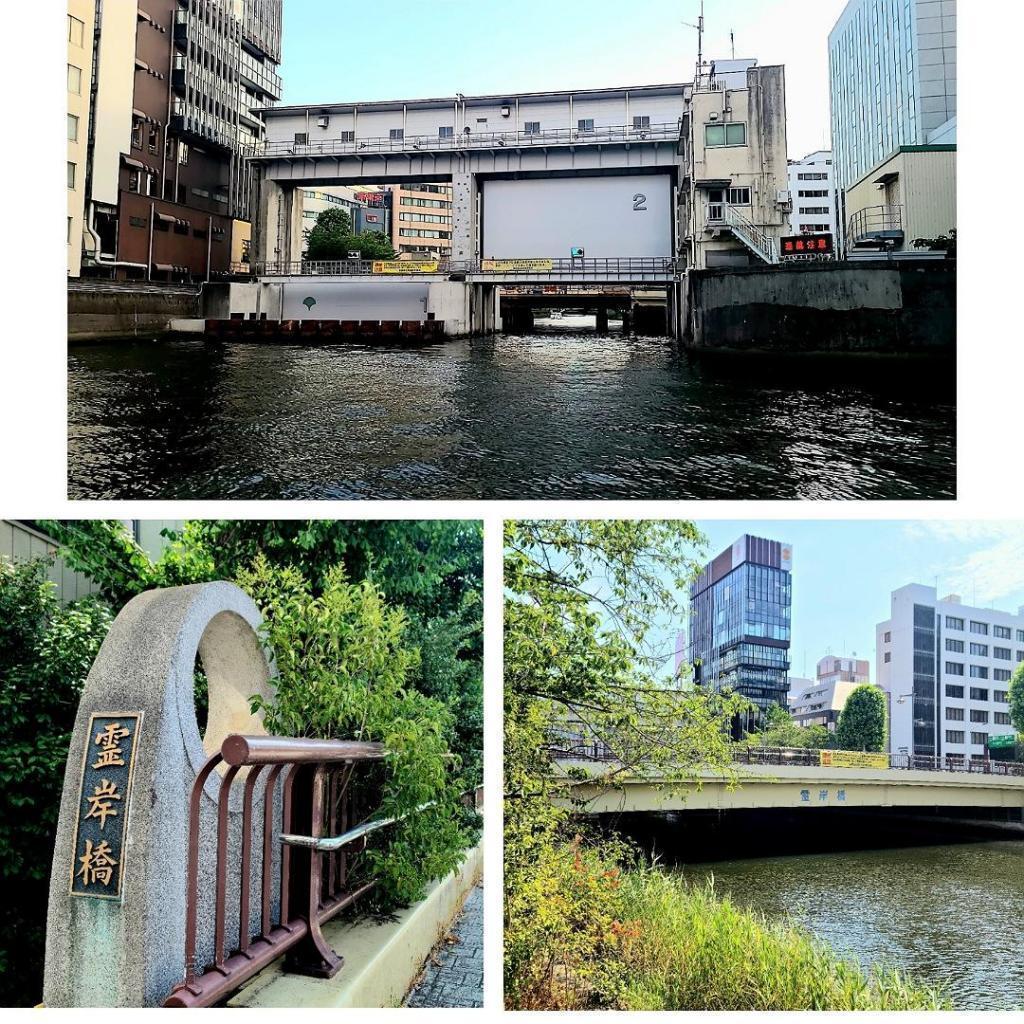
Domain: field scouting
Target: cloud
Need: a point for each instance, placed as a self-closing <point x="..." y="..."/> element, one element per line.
<point x="992" y="567"/>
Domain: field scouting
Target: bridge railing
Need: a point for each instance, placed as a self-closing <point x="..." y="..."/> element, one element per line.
<point x="321" y="793"/>
<point x="597" y="268"/>
<point x="467" y="140"/>
<point x="579" y="748"/>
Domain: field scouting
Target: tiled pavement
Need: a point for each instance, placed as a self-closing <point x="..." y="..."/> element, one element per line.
<point x="454" y="974"/>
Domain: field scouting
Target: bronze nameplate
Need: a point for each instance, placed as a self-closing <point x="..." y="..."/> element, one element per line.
<point x="104" y="797"/>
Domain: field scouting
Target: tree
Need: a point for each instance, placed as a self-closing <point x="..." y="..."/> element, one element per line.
<point x="862" y="722"/>
<point x="331" y="238"/>
<point x="781" y="731"/>
<point x="579" y="669"/>
<point x="1016" y="699"/>
<point x="45" y="654"/>
<point x="943" y="243"/>
<point x="432" y="568"/>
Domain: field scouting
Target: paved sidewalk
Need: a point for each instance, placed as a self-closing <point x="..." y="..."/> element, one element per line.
<point x="454" y="974"/>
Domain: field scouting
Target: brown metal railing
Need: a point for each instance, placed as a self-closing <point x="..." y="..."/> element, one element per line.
<point x="317" y="795"/>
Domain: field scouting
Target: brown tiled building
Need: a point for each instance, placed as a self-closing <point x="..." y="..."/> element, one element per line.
<point x="174" y="83"/>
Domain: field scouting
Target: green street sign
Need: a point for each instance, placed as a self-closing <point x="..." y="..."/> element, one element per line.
<point x="1001" y="742"/>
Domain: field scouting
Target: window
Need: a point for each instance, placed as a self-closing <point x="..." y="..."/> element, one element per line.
<point x="348" y="136"/>
<point x="531" y="128"/>
<point x="954" y="736"/>
<point x="1002" y="632"/>
<point x="133" y="181"/>
<point x="979" y="739"/>
<point x="1020" y="655"/>
<point x="74" y="80"/>
<point x="739" y="197"/>
<point x="954" y="668"/>
<point x="813" y="210"/>
<point x="396" y="134"/>
<point x="446" y="132"/>
<point x="153" y="140"/>
<point x="1001" y="696"/>
<point x="888" y="657"/>
<point x="69" y="230"/>
<point x="812" y="177"/>
<point x="301" y="138"/>
<point x="1001" y="675"/>
<point x="979" y="716"/>
<point x="1001" y="718"/>
<point x="956" y="646"/>
<point x="585" y="124"/>
<point x="137" y="134"/>
<point x="734" y="134"/>
<point x="71" y="174"/>
<point x="888" y="638"/>
<point x="979" y="627"/>
<point x="137" y="222"/>
<point x="1020" y="636"/>
<point x="813" y="193"/>
<point x="955" y="714"/>
<point x="954" y="691"/>
<point x="981" y="650"/>
<point x="641" y="122"/>
<point x="183" y="153"/>
<point x="1001" y="653"/>
<point x="979" y="672"/>
<point x="72" y="128"/>
<point x="481" y="120"/>
<point x="76" y="30"/>
<point x="952" y="622"/>
<point x="978" y="694"/>
<point x="202" y="193"/>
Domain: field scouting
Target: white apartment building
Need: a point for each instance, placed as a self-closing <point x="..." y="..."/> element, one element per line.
<point x="820" y="702"/>
<point x="947" y="668"/>
<point x="811" y="189"/>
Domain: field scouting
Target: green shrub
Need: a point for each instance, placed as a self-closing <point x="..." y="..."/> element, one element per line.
<point x="343" y="663"/>
<point x="45" y="654"/>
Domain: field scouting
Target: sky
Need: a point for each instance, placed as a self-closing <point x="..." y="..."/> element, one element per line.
<point x="341" y="52"/>
<point x="844" y="572"/>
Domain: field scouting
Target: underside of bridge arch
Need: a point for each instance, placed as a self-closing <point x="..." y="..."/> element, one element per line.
<point x="697" y="836"/>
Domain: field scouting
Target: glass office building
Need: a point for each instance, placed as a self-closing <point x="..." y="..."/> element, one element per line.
<point x="740" y="624"/>
<point x="892" y="70"/>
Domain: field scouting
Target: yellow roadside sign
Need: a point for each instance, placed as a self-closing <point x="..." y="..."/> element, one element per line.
<point x="405" y="266"/>
<point x="852" y="759"/>
<point x="507" y="265"/>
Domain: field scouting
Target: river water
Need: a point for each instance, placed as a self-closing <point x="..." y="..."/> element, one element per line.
<point x="557" y="415"/>
<point x="946" y="915"/>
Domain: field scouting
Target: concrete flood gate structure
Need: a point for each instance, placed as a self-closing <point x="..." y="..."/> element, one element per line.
<point x="185" y="864"/>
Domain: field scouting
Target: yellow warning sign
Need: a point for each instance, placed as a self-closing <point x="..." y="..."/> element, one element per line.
<point x="852" y="759"/>
<point x="405" y="266"/>
<point x="505" y="266"/>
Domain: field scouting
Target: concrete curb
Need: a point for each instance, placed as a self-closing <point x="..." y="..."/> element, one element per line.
<point x="382" y="961"/>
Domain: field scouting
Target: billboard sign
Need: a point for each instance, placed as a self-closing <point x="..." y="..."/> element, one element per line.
<point x="796" y="246"/>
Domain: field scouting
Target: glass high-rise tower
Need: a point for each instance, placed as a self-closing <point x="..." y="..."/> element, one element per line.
<point x="740" y="624"/>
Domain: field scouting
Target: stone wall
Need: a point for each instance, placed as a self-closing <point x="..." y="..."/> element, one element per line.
<point x="107" y="310"/>
<point x="883" y="307"/>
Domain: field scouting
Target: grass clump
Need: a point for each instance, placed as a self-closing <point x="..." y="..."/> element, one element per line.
<point x="699" y="950"/>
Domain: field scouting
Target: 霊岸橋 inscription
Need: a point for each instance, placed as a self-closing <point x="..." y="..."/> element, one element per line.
<point x="103" y="799"/>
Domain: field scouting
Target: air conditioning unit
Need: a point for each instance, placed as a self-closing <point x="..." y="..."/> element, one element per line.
<point x="784" y="197"/>
<point x="323" y="121"/>
<point x="712" y="116"/>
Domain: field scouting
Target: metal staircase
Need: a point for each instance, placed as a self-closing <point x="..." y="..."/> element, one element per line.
<point x="760" y="243"/>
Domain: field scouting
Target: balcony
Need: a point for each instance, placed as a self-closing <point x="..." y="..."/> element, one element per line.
<point x="877" y="227"/>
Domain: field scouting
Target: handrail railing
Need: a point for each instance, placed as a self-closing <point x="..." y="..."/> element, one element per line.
<point x="565" y="748"/>
<point x="317" y="795"/>
<point x="757" y="238"/>
<point x="598" y="268"/>
<point x="665" y="130"/>
<point x="873" y="220"/>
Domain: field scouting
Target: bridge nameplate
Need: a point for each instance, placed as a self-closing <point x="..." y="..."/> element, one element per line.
<point x="104" y="796"/>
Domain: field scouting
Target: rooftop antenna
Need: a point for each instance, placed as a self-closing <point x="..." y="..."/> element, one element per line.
<point x="732" y="43"/>
<point x="700" y="38"/>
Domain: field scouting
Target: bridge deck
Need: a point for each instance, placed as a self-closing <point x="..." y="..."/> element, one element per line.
<point x="766" y="786"/>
